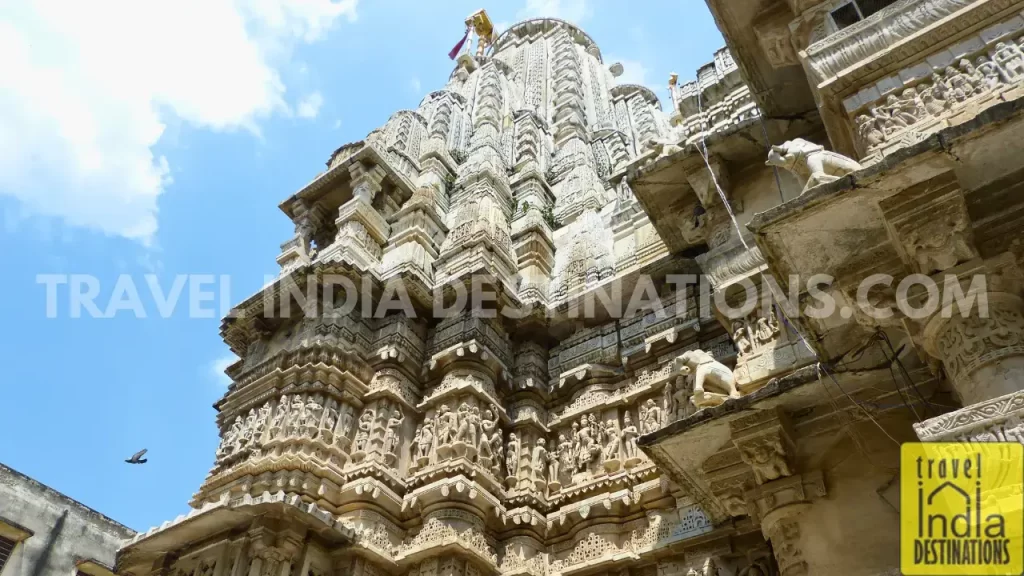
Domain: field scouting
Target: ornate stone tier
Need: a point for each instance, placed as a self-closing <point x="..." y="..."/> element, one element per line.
<point x="944" y="89"/>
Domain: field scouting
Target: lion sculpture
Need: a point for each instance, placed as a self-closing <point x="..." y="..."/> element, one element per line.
<point x="810" y="163"/>
<point x="713" y="382"/>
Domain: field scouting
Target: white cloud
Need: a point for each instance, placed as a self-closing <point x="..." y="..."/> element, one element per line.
<point x="87" y="89"/>
<point x="217" y="368"/>
<point x="415" y="85"/>
<point x="574" y="11"/>
<point x="309" y="106"/>
<point x="634" y="72"/>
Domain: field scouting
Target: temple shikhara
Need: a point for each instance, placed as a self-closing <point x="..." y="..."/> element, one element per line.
<point x="850" y="138"/>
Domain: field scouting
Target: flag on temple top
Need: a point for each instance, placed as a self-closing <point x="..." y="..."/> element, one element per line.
<point x="458" y="47"/>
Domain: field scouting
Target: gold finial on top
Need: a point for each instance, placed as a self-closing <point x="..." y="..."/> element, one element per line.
<point x="484" y="30"/>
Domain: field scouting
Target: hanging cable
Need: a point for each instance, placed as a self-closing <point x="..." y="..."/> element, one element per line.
<point x="820" y="366"/>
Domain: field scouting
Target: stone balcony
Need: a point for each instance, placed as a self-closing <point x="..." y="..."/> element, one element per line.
<point x="914" y="68"/>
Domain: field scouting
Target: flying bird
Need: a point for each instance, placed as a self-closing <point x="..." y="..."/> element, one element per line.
<point x="137" y="458"/>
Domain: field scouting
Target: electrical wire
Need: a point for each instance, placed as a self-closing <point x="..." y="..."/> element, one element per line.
<point x="820" y="366"/>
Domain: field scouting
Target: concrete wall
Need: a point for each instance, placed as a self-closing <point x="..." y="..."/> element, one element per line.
<point x="55" y="547"/>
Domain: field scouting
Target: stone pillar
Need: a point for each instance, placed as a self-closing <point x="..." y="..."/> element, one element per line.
<point x="361" y="229"/>
<point x="781" y="495"/>
<point x="983" y="353"/>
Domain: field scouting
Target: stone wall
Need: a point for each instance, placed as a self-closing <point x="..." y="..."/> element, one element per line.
<point x="64" y="532"/>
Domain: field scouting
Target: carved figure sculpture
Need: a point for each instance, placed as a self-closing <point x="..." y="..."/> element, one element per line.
<point x="554" y="461"/>
<point x="391" y="436"/>
<point x="741" y="337"/>
<point x="612" y="444"/>
<point x="227" y="445"/>
<point x="539" y="462"/>
<point x="1010" y="58"/>
<point x="934" y="104"/>
<point x="811" y="163"/>
<point x="446" y="423"/>
<point x="988" y="73"/>
<point x="485" y="444"/>
<point x="565" y="458"/>
<point x="713" y="382"/>
<point x="280" y="417"/>
<point x="870" y="130"/>
<point x="426" y="439"/>
<point x="652" y="417"/>
<point x="763" y="331"/>
<point x="629" y="436"/>
<point x="767" y="457"/>
<point x="512" y="458"/>
<point x="346" y="420"/>
<point x="363" y="434"/>
<point x="464" y="429"/>
<point x="311" y="416"/>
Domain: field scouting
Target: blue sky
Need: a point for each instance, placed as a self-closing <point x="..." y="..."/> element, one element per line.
<point x="163" y="147"/>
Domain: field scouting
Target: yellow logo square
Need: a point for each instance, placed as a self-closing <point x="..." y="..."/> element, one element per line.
<point x="962" y="508"/>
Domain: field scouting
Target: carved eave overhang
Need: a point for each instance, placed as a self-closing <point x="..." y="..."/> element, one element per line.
<point x="473" y="350"/>
<point x="458" y="491"/>
<point x="426" y="478"/>
<point x="335" y="182"/>
<point x="323" y="368"/>
<point x="252" y="319"/>
<point x="371" y="481"/>
<point x="664" y="184"/>
<point x="846" y="215"/>
<point x="227" y="514"/>
<point x="621" y="494"/>
<point x="780" y="88"/>
<point x="682" y="448"/>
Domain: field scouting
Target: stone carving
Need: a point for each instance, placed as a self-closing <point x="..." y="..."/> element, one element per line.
<point x="629" y="436"/>
<point x="811" y="163"/>
<point x="539" y="463"/>
<point x="767" y="456"/>
<point x="713" y="382"/>
<point x="650" y="417"/>
<point x="391" y="437"/>
<point x="921" y="106"/>
<point x="512" y="457"/>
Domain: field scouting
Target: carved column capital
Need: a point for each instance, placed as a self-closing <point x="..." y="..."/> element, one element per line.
<point x="782" y="527"/>
<point x="980" y="340"/>
<point x="366" y="180"/>
<point x="765" y="444"/>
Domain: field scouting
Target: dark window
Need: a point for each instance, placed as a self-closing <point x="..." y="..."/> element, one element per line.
<point x="6" y="548"/>
<point x="857" y="10"/>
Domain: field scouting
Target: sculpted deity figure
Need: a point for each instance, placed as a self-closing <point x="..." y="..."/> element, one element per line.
<point x="629" y="436"/>
<point x="498" y="451"/>
<point x="474" y="426"/>
<point x="565" y="454"/>
<point x="346" y="420"/>
<point x="227" y="445"/>
<point x="262" y="418"/>
<point x="391" y="436"/>
<point x="612" y="446"/>
<point x="245" y="436"/>
<point x="652" y="421"/>
<point x="870" y="130"/>
<point x="767" y="458"/>
<point x="330" y="419"/>
<point x="1010" y="58"/>
<point x="463" y="432"/>
<point x="554" y="460"/>
<point x="280" y="417"/>
<point x="741" y="336"/>
<point x="903" y="112"/>
<point x="312" y="414"/>
<point x="363" y="433"/>
<point x="988" y="73"/>
<point x="446" y="422"/>
<point x="959" y="83"/>
<point x="933" y="103"/>
<point x="512" y="457"/>
<point x="297" y="414"/>
<point x="487" y="426"/>
<point x="539" y="460"/>
<point x="585" y="441"/>
<point x="763" y="331"/>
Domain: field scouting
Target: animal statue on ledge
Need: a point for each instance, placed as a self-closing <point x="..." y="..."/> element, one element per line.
<point x="713" y="382"/>
<point x="811" y="163"/>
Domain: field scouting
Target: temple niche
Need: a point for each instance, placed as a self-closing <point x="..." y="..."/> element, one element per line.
<point x="740" y="441"/>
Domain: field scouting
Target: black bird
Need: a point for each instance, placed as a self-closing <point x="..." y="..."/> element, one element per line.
<point x="137" y="457"/>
